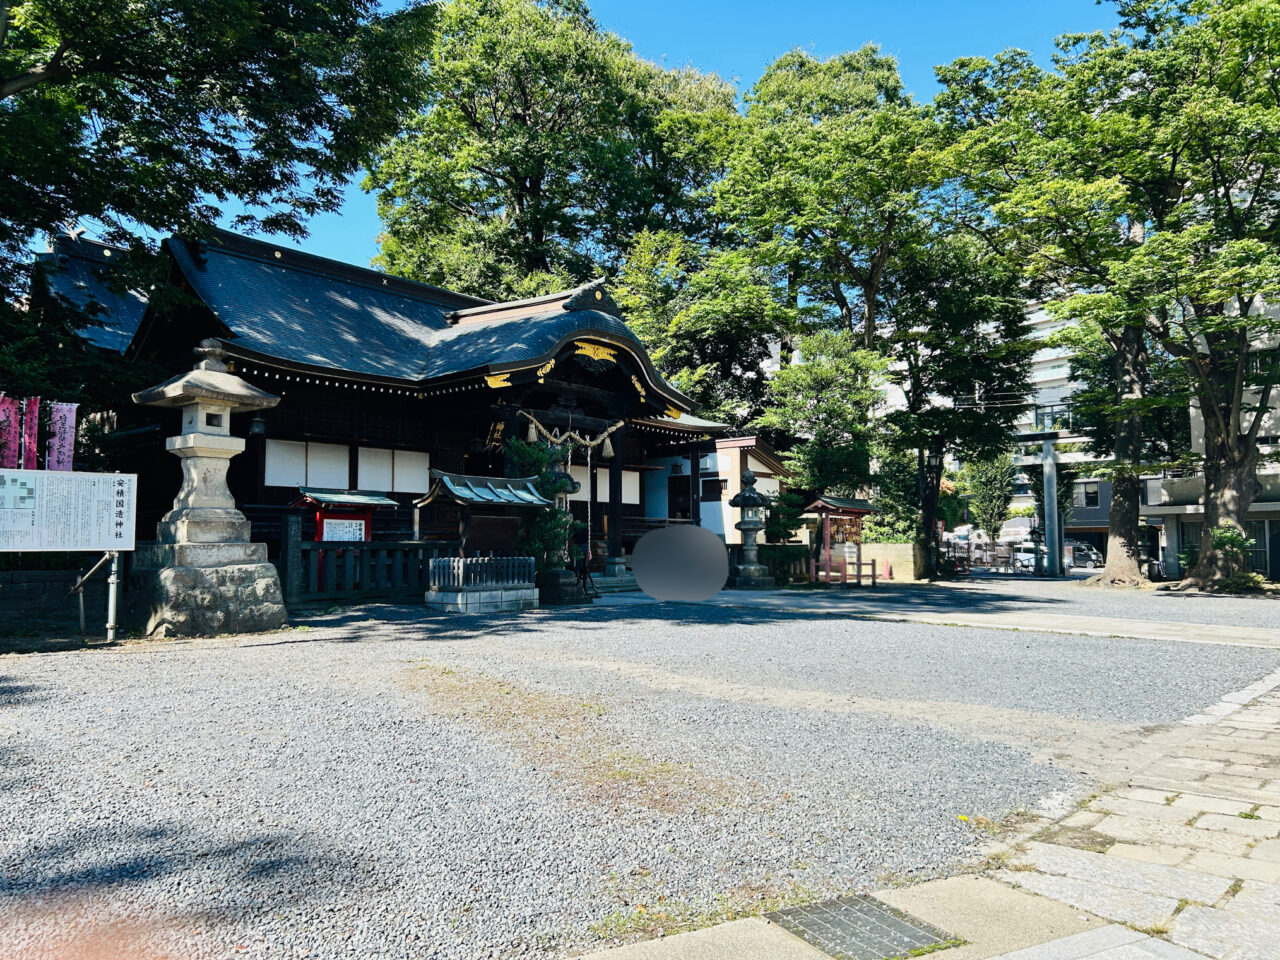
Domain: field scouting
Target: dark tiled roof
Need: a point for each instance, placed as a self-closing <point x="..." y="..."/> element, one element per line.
<point x="515" y="340"/>
<point x="72" y="274"/>
<point x="292" y="308"/>
<point x="278" y="303"/>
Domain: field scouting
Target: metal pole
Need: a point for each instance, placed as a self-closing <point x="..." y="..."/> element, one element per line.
<point x="113" y="594"/>
<point x="1052" y="540"/>
<point x="80" y="594"/>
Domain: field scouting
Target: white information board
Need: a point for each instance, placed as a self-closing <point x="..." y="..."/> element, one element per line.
<point x="343" y="529"/>
<point x="57" y="510"/>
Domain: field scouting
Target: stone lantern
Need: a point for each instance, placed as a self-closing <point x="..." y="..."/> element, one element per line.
<point x="204" y="576"/>
<point x="750" y="574"/>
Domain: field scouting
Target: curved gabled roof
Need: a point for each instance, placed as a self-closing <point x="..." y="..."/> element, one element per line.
<point x="324" y="315"/>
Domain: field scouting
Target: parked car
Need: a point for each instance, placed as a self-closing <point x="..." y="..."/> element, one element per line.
<point x="1023" y="560"/>
<point x="1084" y="554"/>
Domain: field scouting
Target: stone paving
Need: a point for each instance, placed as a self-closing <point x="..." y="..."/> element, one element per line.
<point x="1187" y="850"/>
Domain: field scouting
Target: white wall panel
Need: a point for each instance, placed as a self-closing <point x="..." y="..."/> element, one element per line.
<point x="630" y="486"/>
<point x="328" y="466"/>
<point x="579" y="473"/>
<point x="374" y="469"/>
<point x="286" y="464"/>
<point x="412" y="472"/>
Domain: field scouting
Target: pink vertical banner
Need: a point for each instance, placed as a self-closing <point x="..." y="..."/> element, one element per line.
<point x="10" y="432"/>
<point x="62" y="436"/>
<point x="30" y="433"/>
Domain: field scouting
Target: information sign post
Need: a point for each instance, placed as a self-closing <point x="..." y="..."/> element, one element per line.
<point x="53" y="510"/>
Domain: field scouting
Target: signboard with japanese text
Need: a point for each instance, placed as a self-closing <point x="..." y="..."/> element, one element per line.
<point x="55" y="510"/>
<point x="343" y="529"/>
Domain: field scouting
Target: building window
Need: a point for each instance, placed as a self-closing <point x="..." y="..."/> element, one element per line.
<point x="290" y="463"/>
<point x="714" y="488"/>
<point x="1090" y="494"/>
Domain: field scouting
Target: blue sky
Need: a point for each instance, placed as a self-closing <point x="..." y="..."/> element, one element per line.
<point x="737" y="39"/>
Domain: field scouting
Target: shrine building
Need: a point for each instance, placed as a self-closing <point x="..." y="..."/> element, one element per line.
<point x="387" y="386"/>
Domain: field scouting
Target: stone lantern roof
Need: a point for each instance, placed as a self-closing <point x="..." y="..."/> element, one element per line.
<point x="749" y="497"/>
<point x="209" y="382"/>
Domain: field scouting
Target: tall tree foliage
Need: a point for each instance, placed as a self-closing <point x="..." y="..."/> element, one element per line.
<point x="955" y="335"/>
<point x="1164" y="410"/>
<point x="989" y="486"/>
<point x="1140" y="179"/>
<point x="151" y="115"/>
<point x="707" y="317"/>
<point x="1029" y="145"/>
<point x="545" y="147"/>
<point x="828" y="180"/>
<point x="827" y="402"/>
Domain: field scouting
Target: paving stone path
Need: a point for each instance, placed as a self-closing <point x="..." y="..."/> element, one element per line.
<point x="1187" y="850"/>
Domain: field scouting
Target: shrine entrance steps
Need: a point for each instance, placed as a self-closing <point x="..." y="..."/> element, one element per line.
<point x="623" y="584"/>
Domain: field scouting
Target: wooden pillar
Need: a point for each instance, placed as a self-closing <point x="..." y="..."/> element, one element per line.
<point x="695" y="485"/>
<point x="826" y="540"/>
<point x="615" y="565"/>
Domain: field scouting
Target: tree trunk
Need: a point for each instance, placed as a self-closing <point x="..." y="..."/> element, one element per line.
<point x="1229" y="483"/>
<point x="1123" y="548"/>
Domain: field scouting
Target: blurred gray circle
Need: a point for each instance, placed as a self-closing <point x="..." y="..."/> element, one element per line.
<point x="680" y="563"/>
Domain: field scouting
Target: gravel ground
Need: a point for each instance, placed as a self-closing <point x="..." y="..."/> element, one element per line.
<point x="386" y="784"/>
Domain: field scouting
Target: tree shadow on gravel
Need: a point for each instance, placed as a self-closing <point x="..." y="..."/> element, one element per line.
<point x="86" y="860"/>
<point x="398" y="622"/>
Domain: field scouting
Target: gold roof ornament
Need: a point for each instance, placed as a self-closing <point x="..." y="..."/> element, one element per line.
<point x="498" y="380"/>
<point x="673" y="413"/>
<point x="596" y="351"/>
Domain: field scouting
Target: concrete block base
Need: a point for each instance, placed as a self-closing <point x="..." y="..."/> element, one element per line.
<point x="502" y="599"/>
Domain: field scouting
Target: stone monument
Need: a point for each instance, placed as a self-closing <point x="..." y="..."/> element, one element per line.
<point x="204" y="576"/>
<point x="750" y="574"/>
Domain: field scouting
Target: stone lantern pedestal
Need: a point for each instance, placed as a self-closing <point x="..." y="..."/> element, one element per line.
<point x="204" y="576"/>
<point x="750" y="574"/>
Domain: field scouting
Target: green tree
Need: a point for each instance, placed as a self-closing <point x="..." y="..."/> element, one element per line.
<point x="784" y="517"/>
<point x="149" y="116"/>
<point x="989" y="486"/>
<point x="544" y="532"/>
<point x="708" y="319"/>
<point x="955" y="335"/>
<point x="828" y="179"/>
<point x="1164" y="411"/>
<point x="1029" y="145"/>
<point x="1148" y="187"/>
<point x="545" y="146"/>
<point x="827" y="403"/>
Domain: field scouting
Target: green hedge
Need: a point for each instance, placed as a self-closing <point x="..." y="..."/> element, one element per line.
<point x="779" y="558"/>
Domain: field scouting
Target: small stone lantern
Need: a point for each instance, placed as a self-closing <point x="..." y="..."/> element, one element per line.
<point x="750" y="574"/>
<point x="204" y="576"/>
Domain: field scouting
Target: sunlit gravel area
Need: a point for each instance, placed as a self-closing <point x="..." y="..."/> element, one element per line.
<point x="383" y="783"/>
